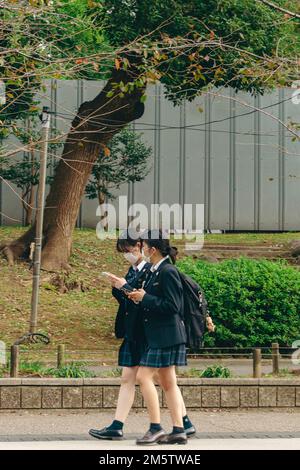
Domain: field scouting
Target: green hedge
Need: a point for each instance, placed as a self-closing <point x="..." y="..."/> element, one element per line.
<point x="252" y="302"/>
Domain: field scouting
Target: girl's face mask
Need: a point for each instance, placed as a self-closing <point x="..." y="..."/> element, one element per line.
<point x="146" y="254"/>
<point x="131" y="257"/>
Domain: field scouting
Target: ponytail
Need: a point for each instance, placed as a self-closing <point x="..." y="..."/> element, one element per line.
<point x="172" y="251"/>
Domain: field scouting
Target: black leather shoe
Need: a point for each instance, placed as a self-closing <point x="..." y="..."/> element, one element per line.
<point x="151" y="438"/>
<point x="174" y="438"/>
<point x="109" y="434"/>
<point x="190" y="431"/>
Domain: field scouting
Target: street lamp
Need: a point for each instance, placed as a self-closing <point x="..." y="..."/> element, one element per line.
<point x="36" y="248"/>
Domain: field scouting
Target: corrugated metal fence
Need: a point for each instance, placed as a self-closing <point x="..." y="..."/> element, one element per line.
<point x="218" y="151"/>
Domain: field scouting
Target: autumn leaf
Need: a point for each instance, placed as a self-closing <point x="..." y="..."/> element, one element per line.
<point x="106" y="151"/>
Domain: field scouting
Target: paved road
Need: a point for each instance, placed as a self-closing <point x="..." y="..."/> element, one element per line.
<point x="239" y="367"/>
<point x="216" y="430"/>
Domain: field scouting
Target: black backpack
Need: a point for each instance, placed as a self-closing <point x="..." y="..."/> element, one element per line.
<point x="195" y="311"/>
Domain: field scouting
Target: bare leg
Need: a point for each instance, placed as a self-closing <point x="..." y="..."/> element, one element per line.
<point x="148" y="389"/>
<point x="184" y="413"/>
<point x="174" y="398"/>
<point x="126" y="393"/>
<point x="157" y="380"/>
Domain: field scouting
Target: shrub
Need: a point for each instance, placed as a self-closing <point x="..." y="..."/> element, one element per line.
<point x="216" y="371"/>
<point x="252" y="302"/>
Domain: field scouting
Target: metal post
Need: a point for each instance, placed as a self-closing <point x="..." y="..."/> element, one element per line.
<point x="45" y="118"/>
<point x="14" y="361"/>
<point x="257" y="363"/>
<point x="275" y="358"/>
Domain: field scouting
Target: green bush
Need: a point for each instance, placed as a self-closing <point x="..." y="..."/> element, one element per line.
<point x="216" y="371"/>
<point x="252" y="302"/>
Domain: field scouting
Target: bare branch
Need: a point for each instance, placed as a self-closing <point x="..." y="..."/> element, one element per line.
<point x="277" y="7"/>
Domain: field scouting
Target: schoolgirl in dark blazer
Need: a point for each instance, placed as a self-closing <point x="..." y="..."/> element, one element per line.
<point x="128" y="325"/>
<point x="127" y="314"/>
<point x="161" y="308"/>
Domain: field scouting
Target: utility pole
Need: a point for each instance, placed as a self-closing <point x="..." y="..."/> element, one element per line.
<point x="45" y="118"/>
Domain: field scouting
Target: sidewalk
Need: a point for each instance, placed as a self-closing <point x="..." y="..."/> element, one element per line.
<point x="216" y="430"/>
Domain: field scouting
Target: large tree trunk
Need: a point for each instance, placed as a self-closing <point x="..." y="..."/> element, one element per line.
<point x="96" y="122"/>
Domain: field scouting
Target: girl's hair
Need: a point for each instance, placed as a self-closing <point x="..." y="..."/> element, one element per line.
<point x="158" y="239"/>
<point x="127" y="239"/>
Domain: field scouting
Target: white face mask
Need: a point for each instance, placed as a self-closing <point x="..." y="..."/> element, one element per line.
<point x="146" y="258"/>
<point x="131" y="258"/>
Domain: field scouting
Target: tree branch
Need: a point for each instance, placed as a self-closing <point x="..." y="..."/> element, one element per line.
<point x="277" y="7"/>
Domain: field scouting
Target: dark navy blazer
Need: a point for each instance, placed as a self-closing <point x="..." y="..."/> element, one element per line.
<point x="162" y="307"/>
<point x="128" y="311"/>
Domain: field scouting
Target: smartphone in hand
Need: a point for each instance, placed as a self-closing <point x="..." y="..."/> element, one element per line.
<point x="127" y="290"/>
<point x="110" y="276"/>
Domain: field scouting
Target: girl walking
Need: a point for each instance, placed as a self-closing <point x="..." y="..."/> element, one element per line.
<point x="161" y="309"/>
<point x="129" y="325"/>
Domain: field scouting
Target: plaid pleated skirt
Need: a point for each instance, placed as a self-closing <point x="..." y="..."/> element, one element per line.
<point x="130" y="353"/>
<point x="133" y="354"/>
<point x="164" y="357"/>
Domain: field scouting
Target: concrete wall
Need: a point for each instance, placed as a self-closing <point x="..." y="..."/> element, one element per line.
<point x="240" y="163"/>
<point x="35" y="393"/>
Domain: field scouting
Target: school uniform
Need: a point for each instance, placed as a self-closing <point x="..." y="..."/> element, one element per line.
<point x="128" y="324"/>
<point x="162" y="317"/>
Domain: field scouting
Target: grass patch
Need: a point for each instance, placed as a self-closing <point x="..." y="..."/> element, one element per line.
<point x="37" y="369"/>
<point x="214" y="371"/>
<point x="74" y="370"/>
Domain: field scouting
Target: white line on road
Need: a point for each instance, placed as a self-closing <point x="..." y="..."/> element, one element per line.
<point x="196" y="444"/>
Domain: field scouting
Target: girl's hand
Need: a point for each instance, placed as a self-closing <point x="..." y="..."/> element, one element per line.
<point x="137" y="295"/>
<point x="116" y="281"/>
<point x="119" y="282"/>
<point x="210" y="324"/>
